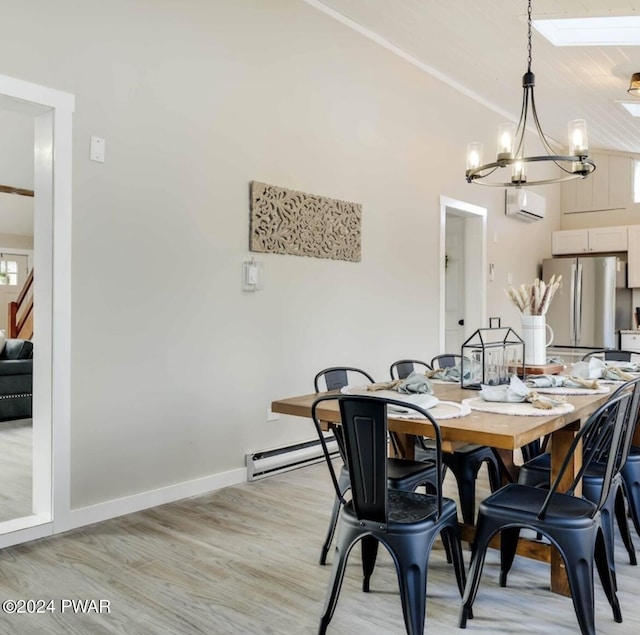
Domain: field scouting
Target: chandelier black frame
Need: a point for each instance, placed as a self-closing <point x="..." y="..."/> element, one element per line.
<point x="574" y="166"/>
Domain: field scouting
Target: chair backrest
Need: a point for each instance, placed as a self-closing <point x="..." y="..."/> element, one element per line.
<point x="611" y="355"/>
<point x="404" y="367"/>
<point x="337" y="377"/>
<point x="446" y="360"/>
<point x="364" y="432"/>
<point x="601" y="437"/>
<point x="633" y="387"/>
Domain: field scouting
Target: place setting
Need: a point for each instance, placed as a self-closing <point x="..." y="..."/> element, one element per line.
<point x="517" y="398"/>
<point x="415" y="389"/>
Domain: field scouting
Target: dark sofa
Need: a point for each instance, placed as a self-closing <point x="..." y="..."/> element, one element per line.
<point x="16" y="379"/>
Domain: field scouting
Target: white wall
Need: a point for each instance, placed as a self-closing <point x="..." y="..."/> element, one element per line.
<point x="173" y="367"/>
<point x="16" y="170"/>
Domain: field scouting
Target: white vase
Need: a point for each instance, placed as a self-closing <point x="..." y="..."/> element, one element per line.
<point x="534" y="334"/>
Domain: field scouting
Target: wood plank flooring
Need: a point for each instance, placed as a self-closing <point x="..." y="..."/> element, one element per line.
<point x="15" y="468"/>
<point x="245" y="560"/>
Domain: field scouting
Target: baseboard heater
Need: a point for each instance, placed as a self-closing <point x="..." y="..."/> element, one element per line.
<point x="270" y="462"/>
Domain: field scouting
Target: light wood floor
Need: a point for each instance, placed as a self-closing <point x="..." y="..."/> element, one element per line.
<point x="245" y="560"/>
<point x="15" y="469"/>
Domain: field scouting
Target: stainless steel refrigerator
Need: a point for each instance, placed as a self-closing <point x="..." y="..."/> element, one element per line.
<point x="592" y="305"/>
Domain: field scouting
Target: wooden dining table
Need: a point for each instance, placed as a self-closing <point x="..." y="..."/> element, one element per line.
<point x="503" y="432"/>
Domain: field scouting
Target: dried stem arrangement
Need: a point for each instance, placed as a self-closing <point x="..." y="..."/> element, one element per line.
<point x="534" y="299"/>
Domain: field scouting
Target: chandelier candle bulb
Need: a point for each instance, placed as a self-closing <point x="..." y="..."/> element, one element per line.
<point x="506" y="135"/>
<point x="578" y="145"/>
<point x="474" y="155"/>
<point x="519" y="172"/>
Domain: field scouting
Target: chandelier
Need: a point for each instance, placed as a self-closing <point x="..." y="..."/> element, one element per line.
<point x="511" y="150"/>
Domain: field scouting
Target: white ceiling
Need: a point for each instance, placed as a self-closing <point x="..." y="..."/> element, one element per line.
<point x="480" y="46"/>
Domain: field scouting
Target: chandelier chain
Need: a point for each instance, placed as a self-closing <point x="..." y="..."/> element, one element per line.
<point x="529" y="38"/>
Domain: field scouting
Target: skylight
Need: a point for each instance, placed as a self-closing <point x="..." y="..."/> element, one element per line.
<point x="611" y="31"/>
<point x="633" y="107"/>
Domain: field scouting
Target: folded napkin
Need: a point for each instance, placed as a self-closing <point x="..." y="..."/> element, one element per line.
<point x="415" y="383"/>
<point x="560" y="381"/>
<point x="629" y="367"/>
<point x="597" y="368"/>
<point x="517" y="392"/>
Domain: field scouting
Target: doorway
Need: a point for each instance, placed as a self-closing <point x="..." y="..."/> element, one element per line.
<point x="463" y="275"/>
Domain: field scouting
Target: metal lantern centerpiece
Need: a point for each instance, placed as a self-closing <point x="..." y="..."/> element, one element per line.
<point x="490" y="356"/>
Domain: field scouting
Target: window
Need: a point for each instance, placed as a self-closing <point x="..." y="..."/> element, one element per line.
<point x="636" y="181"/>
<point x="8" y="272"/>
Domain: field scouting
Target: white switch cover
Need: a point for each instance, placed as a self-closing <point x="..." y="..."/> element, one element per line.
<point x="97" y="150"/>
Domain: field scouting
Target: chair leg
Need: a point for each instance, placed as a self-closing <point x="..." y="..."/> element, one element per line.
<point x="466" y="480"/>
<point x="623" y="526"/>
<point x="580" y="578"/>
<point x="369" y="555"/>
<point x="483" y="535"/>
<point x="495" y="480"/>
<point x="631" y="480"/>
<point x="344" y="483"/>
<point x="412" y="561"/>
<point x="592" y="491"/>
<point x="446" y="541"/>
<point x="346" y="539"/>
<point x="508" y="545"/>
<point x="451" y="537"/>
<point x="607" y="580"/>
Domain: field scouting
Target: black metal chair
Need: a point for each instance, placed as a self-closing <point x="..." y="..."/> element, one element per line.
<point x="404" y="367"/>
<point x="466" y="462"/>
<point x="631" y="471"/>
<point x="446" y="360"/>
<point x="406" y="523"/>
<point x="611" y="354"/>
<point x="537" y="473"/>
<point x="572" y="524"/>
<point x="403" y="474"/>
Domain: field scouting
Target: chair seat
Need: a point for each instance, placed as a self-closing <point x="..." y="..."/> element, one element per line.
<point x="409" y="508"/>
<point x="521" y="503"/>
<point x="409" y="474"/>
<point x="536" y="471"/>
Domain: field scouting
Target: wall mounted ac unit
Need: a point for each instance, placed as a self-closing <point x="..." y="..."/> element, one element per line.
<point x="524" y="205"/>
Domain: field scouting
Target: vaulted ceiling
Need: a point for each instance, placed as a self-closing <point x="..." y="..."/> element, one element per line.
<point x="480" y="46"/>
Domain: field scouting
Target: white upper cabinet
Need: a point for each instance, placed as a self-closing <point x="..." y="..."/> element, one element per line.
<point x="609" y="187"/>
<point x="569" y="241"/>
<point x="594" y="240"/>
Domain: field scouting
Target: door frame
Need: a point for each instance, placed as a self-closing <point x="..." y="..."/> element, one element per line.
<point x="475" y="265"/>
<point x="52" y="110"/>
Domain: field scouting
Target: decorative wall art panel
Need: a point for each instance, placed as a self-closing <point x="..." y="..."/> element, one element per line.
<point x="299" y="224"/>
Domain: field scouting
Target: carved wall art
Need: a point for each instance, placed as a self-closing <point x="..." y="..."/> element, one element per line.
<point x="296" y="223"/>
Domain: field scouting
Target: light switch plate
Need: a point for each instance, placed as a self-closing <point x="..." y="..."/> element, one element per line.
<point x="97" y="151"/>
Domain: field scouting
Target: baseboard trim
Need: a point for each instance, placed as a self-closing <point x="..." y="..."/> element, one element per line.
<point x="23" y="530"/>
<point x="99" y="512"/>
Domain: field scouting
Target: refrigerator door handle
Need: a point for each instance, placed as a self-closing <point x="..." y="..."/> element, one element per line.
<point x="579" y="305"/>
<point x="572" y="305"/>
